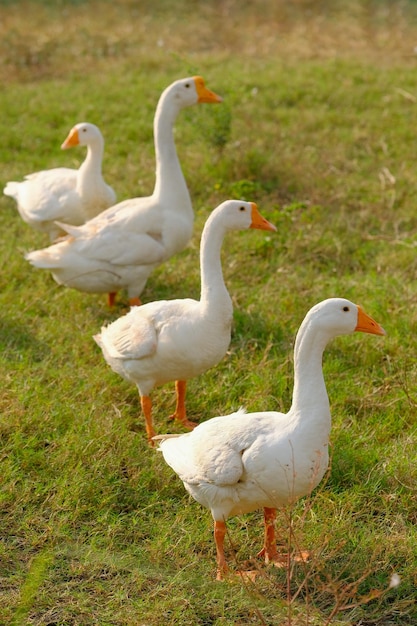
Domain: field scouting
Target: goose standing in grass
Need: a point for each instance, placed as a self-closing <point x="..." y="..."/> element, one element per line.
<point x="178" y="339"/>
<point x="246" y="461"/>
<point x="65" y="194"/>
<point x="119" y="248"/>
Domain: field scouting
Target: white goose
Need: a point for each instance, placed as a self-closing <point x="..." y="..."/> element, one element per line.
<point x="246" y="461"/>
<point x="65" y="194"/>
<point x="119" y="248"/>
<point x="178" y="339"/>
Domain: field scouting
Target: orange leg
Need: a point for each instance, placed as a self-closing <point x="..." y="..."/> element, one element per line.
<point x="146" y="404"/>
<point x="180" y="412"/>
<point x="269" y="551"/>
<point x="219" y="534"/>
<point x="135" y="301"/>
<point x="111" y="298"/>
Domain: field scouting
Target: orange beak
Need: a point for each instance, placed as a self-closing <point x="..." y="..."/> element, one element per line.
<point x="72" y="139"/>
<point x="367" y="325"/>
<point x="260" y="222"/>
<point x="204" y="94"/>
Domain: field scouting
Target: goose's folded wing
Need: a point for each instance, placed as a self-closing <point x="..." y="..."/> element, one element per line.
<point x="43" y="194"/>
<point x="54" y="177"/>
<point x="116" y="245"/>
<point x="129" y="338"/>
<point x="46" y="206"/>
<point x="201" y="459"/>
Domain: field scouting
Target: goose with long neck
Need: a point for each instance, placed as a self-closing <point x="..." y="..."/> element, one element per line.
<point x="119" y="248"/>
<point x="241" y="462"/>
<point x="65" y="194"/>
<point x="174" y="340"/>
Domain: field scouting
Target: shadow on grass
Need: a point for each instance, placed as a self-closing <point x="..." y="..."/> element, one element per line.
<point x="16" y="342"/>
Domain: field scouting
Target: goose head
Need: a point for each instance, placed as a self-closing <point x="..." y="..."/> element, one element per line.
<point x="240" y="215"/>
<point x="83" y="134"/>
<point x="338" y="316"/>
<point x="188" y="91"/>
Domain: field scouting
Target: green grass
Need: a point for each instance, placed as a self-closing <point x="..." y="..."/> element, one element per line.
<point x="318" y="127"/>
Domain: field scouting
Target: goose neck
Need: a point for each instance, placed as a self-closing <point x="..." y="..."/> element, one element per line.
<point x="309" y="386"/>
<point x="93" y="161"/>
<point x="169" y="176"/>
<point x="213" y="289"/>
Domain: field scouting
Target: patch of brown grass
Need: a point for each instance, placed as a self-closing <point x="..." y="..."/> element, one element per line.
<point x="39" y="40"/>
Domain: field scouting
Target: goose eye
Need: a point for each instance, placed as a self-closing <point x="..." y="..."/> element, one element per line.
<point x="346" y="308"/>
<point x="84" y="130"/>
<point x="187" y="85"/>
<point x="242" y="208"/>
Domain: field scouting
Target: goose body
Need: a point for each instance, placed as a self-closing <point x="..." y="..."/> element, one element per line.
<point x="174" y="340"/>
<point x="241" y="462"/>
<point x="119" y="248"/>
<point x="65" y="194"/>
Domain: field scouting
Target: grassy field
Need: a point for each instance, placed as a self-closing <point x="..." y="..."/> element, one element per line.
<point x="318" y="126"/>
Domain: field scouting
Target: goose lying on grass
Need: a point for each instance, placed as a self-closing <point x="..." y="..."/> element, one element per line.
<point x="246" y="461"/>
<point x="120" y="247"/>
<point x="179" y="339"/>
<point x="65" y="194"/>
